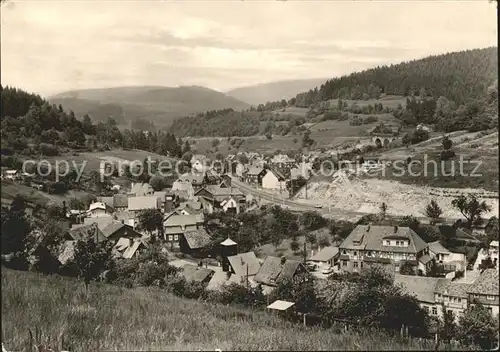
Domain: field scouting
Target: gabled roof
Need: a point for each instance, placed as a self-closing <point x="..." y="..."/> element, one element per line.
<point x="97" y="205"/>
<point x="273" y="271"/>
<point x="101" y="221"/>
<point x="120" y="201"/>
<point x="454" y="289"/>
<point x="222" y="279"/>
<point x="276" y="173"/>
<point x="241" y="261"/>
<point x="143" y="202"/>
<point x="325" y="254"/>
<point x="421" y="287"/>
<point x="371" y="238"/>
<point x="67" y="252"/>
<point x="494" y="244"/>
<point x="486" y="283"/>
<point x="228" y="242"/>
<point x="437" y="247"/>
<point x="131" y="250"/>
<point x="197" y="238"/>
<point x="174" y="219"/>
<point x="141" y="189"/>
<point x="196" y="274"/>
<point x="254" y="171"/>
<point x="191" y="178"/>
<point x="218" y="191"/>
<point x="115" y="226"/>
<point x="85" y="231"/>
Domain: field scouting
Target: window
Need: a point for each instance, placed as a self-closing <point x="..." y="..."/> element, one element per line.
<point x="355" y="265"/>
<point x="355" y="253"/>
<point x="387" y="243"/>
<point x="344" y="252"/>
<point x="170" y="238"/>
<point x="426" y="309"/>
<point x="176" y="237"/>
<point x="490" y="298"/>
<point x="344" y="263"/>
<point x="361" y="264"/>
<point x="434" y="311"/>
<point x="459" y="300"/>
<point x="397" y="243"/>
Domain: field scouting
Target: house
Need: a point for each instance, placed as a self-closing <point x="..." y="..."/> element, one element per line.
<point x="174" y="226"/>
<point x="12" y="175"/>
<point x="193" y="241"/>
<point x="451" y="297"/>
<point x="382" y="245"/>
<point x="83" y="232"/>
<point x="232" y="205"/>
<point x="197" y="180"/>
<point x="449" y="261"/>
<point x="254" y="175"/>
<point x="129" y="248"/>
<point x="192" y="207"/>
<point x="273" y="179"/>
<point x="212" y="177"/>
<point x="274" y="270"/>
<point x="193" y="273"/>
<point x="282" y="162"/>
<point x="256" y="160"/>
<point x="98" y="209"/>
<point x="222" y="279"/>
<point x="199" y="162"/>
<point x="116" y="230"/>
<point x="183" y="190"/>
<point x="101" y="221"/>
<point x="327" y="255"/>
<point x="240" y="170"/>
<point x="244" y="264"/>
<point x="493" y="252"/>
<point x="484" y="290"/>
<point x="216" y="195"/>
<point x="226" y="179"/>
<point x="303" y="170"/>
<point x="118" y="202"/>
<point x="140" y="203"/>
<point x="141" y="189"/>
<point x="424" y="290"/>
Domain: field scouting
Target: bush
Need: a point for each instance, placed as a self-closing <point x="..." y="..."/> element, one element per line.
<point x="355" y="121"/>
<point x="370" y="119"/>
<point x="446" y="154"/>
<point x="48" y="149"/>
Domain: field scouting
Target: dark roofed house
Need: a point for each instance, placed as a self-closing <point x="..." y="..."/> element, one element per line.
<point x="193" y="273"/>
<point x="175" y="225"/>
<point x="254" y="175"/>
<point x="83" y="232"/>
<point x="192" y="241"/>
<point x="389" y="246"/>
<point x="116" y="230"/>
<point x="485" y="290"/>
<point x="274" y="270"/>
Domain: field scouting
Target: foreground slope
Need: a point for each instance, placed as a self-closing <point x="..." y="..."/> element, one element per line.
<point x="159" y="104"/>
<point x="274" y="91"/>
<point x="112" y="318"/>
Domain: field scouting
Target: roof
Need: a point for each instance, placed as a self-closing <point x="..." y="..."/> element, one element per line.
<point x="421" y="287"/>
<point x="160" y="194"/>
<point x="325" y="254"/>
<point x="494" y="244"/>
<point x="486" y="283"/>
<point x="120" y="200"/>
<point x="438" y="248"/>
<point x="101" y="221"/>
<point x="242" y="261"/>
<point x="371" y="238"/>
<point x="131" y="250"/>
<point x="182" y="220"/>
<point x="108" y="201"/>
<point x="143" y="202"/>
<point x="141" y="189"/>
<point x="218" y="191"/>
<point x="97" y="205"/>
<point x="85" y="231"/>
<point x="278" y="174"/>
<point x="195" y="273"/>
<point x="221" y="279"/>
<point x="254" y="171"/>
<point x="425" y="259"/>
<point x="228" y="242"/>
<point x="191" y="178"/>
<point x="272" y="271"/>
<point x="123" y="243"/>
<point x="454" y="289"/>
<point x="197" y="239"/>
<point x="280" y="305"/>
<point x="114" y="226"/>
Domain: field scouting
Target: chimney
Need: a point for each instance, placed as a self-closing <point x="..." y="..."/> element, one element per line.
<point x="368" y="228"/>
<point x="395" y="229"/>
<point x="283" y="260"/>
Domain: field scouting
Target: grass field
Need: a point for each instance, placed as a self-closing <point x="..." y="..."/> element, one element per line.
<point x="112" y="318"/>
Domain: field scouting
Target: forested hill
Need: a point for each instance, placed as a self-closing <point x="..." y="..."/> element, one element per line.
<point x="458" y="76"/>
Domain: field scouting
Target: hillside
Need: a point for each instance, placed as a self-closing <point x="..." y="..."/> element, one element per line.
<point x="274" y="91"/>
<point x="158" y="104"/>
<point x="458" y="76"/>
<point x="113" y="318"/>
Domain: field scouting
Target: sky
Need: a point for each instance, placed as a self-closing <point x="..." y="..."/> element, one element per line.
<point x="48" y="47"/>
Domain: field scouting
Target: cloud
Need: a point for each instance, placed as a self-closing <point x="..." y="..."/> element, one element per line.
<point x="60" y="45"/>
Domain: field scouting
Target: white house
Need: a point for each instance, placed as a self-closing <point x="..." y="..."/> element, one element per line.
<point x="443" y="256"/>
<point x="11" y="174"/>
<point x="98" y="209"/>
<point x="230" y="205"/>
<point x="493" y="252"/>
<point x="274" y="179"/>
<point x="199" y="162"/>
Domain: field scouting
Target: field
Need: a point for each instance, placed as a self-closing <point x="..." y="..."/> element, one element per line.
<point x="112" y="318"/>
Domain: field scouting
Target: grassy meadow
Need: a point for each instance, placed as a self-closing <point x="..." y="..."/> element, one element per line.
<point x="114" y="318"/>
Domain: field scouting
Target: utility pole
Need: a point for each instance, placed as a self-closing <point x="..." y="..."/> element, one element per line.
<point x="246" y="279"/>
<point x="306" y="189"/>
<point x="305" y="252"/>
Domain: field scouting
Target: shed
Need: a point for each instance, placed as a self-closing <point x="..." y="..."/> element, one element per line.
<point x="280" y="305"/>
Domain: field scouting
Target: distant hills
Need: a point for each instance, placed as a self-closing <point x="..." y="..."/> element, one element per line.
<point x="158" y="104"/>
<point x="274" y="91"/>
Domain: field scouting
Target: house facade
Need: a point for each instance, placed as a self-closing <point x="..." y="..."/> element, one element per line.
<point x="254" y="175"/>
<point x="484" y="290"/>
<point x="387" y="246"/>
<point x="273" y="179"/>
<point x="98" y="209"/>
<point x="175" y="225"/>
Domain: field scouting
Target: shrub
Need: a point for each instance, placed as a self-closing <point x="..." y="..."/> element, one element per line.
<point x="447" y="154"/>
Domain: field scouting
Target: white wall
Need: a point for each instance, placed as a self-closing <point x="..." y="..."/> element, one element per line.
<point x="270" y="181"/>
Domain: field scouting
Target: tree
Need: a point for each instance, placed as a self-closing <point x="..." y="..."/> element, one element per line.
<point x="383" y="210"/>
<point x="269" y="135"/>
<point x="151" y="220"/>
<point x="471" y="208"/>
<point x="410" y="221"/>
<point x="433" y="211"/>
<point x="323" y="241"/>
<point x="446" y="143"/>
<point x="92" y="258"/>
<point x="15" y="226"/>
<point x="406" y="269"/>
<point x="306" y="139"/>
<point x="312" y="220"/>
<point x="294" y="245"/>
<point x="300" y="289"/>
<point x="476" y="326"/>
<point x="157" y="182"/>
